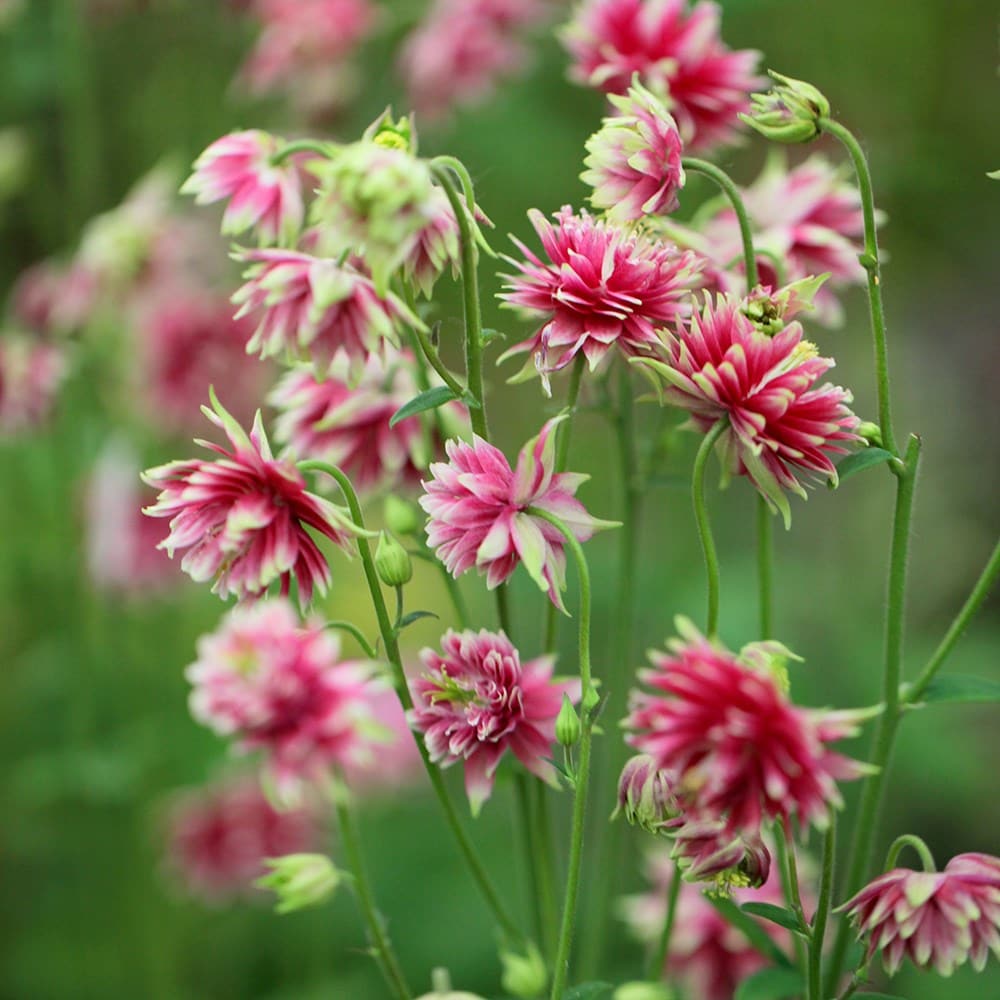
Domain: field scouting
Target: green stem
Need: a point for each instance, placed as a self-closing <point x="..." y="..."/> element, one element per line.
<point x="704" y="526"/>
<point x="818" y="932"/>
<point x="658" y="959"/>
<point x="870" y="262"/>
<point x="909" y="840"/>
<point x="765" y="568"/>
<point x="788" y="870"/>
<point x="322" y="149"/>
<point x="550" y="909"/>
<point x="472" y="860"/>
<point x="871" y="794"/>
<point x="353" y="630"/>
<point x="751" y="928"/>
<point x="377" y="937"/>
<point x="434" y="360"/>
<point x="530" y="850"/>
<point x="979" y="594"/>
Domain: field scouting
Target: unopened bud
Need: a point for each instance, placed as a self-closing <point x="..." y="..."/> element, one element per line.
<point x="392" y="561"/>
<point x="643" y="991"/>
<point x="401" y="516"/>
<point x="524" y="976"/>
<point x="789" y="112"/>
<point x="300" y="880"/>
<point x="567" y="724"/>
<point x="872" y="433"/>
<point x="390" y="134"/>
<point x="645" y="796"/>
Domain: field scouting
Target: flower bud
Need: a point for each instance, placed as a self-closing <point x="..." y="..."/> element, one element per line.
<point x="401" y="516"/>
<point x="769" y="310"/>
<point x="643" y="991"/>
<point x="524" y="976"/>
<point x="872" y="433"/>
<point x="300" y="880"/>
<point x="644" y="795"/>
<point x="567" y="724"/>
<point x="770" y="657"/>
<point x="392" y="561"/>
<point x="789" y="112"/>
<point x="393" y="134"/>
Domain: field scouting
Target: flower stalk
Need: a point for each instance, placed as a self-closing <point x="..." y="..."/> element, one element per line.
<point x="704" y="525"/>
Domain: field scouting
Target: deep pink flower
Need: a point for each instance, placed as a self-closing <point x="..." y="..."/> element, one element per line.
<point x="707" y="851"/>
<point x="739" y="749"/>
<point x="478" y="511"/>
<point x="477" y="700"/>
<point x="646" y="795"/>
<point x="936" y="919"/>
<point x="348" y="426"/>
<point x="675" y="52"/>
<point x="243" y="517"/>
<point x="280" y="687"/>
<point x="722" y="367"/>
<point x="314" y="307"/>
<point x="31" y="372"/>
<point x="601" y="288"/>
<point x="218" y="837"/>
<point x="261" y="196"/>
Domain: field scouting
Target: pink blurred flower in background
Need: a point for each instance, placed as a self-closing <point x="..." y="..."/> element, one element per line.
<point x="31" y="373"/>
<point x="677" y="53"/>
<point x="476" y="700"/>
<point x="52" y="298"/>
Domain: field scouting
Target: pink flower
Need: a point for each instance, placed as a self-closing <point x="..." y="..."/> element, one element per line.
<point x="437" y="248"/>
<point x="936" y="919"/>
<point x="634" y="161"/>
<point x="49" y="298"/>
<point x="646" y="795"/>
<point x="349" y="426"/>
<point x="722" y="367"/>
<point x="315" y="307"/>
<point x="262" y="196"/>
<point x="31" y="373"/>
<point x="708" y="852"/>
<point x="601" y="288"/>
<point x="219" y="836"/>
<point x="739" y="750"/>
<point x="675" y="52"/>
<point x="478" y="512"/>
<point x="477" y="700"/>
<point x="243" y="517"/>
<point x="280" y="687"/>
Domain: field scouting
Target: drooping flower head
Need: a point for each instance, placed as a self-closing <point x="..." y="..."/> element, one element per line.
<point x="646" y="795"/>
<point x="722" y="367"/>
<point x="476" y="700"/>
<point x="243" y="517"/>
<point x="634" y="160"/>
<point x="938" y="920"/>
<point x="437" y="248"/>
<point x="740" y="751"/>
<point x="708" y="852"/>
<point x="478" y="514"/>
<point x="600" y="288"/>
<point x="280" y="687"/>
<point x="675" y="52"/>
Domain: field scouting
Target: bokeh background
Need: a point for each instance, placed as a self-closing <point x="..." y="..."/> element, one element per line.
<point x="95" y="736"/>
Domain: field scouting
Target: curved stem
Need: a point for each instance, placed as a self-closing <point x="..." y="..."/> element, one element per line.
<point x="704" y="526"/>
<point x="377" y="937"/>
<point x="434" y="360"/>
<point x="323" y="149"/>
<point x="658" y="959"/>
<point x="870" y="262"/>
<point x="979" y="594"/>
<point x="472" y="860"/>
<point x="909" y="840"/>
<point x="765" y="568"/>
<point x="818" y="933"/>
<point x="353" y="630"/>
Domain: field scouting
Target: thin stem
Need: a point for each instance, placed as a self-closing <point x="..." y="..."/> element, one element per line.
<point x="870" y="262"/>
<point x="472" y="860"/>
<point x="377" y="937"/>
<point x="788" y="870"/>
<point x="909" y="840"/>
<point x="765" y="568"/>
<point x="353" y="630"/>
<point x="322" y="149"/>
<point x="658" y="959"/>
<point x="434" y="360"/>
<point x="979" y="594"/>
<point x="530" y="849"/>
<point x="704" y="526"/>
<point x="885" y="734"/>
<point x="818" y="933"/>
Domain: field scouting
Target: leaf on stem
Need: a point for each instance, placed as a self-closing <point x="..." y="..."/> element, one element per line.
<point x="771" y="984"/>
<point x="862" y="460"/>
<point x="414" y="616"/>
<point x="779" y="915"/>
<point x="428" y="400"/>
<point x="957" y="688"/>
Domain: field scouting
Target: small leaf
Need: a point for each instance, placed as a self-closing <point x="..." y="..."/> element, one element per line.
<point x="415" y="616"/>
<point x="771" y="984"/>
<point x="862" y="460"/>
<point x="429" y="400"/>
<point x="961" y="687"/>
<point x="776" y="914"/>
<point x="590" y="991"/>
<point x="489" y="335"/>
<point x="993" y="175"/>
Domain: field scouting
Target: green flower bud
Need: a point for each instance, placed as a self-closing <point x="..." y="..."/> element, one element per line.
<point x="643" y="991"/>
<point x="401" y="516"/>
<point x="391" y="134"/>
<point x="300" y="880"/>
<point x="524" y="976"/>
<point x="567" y="724"/>
<point x="392" y="561"/>
<point x="789" y="112"/>
<point x="872" y="433"/>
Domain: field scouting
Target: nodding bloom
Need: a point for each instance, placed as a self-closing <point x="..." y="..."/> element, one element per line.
<point x="708" y="852"/>
<point x="218" y="837"/>
<point x="262" y="196"/>
<point x="738" y="749"/>
<point x="722" y="367"/>
<point x="478" y="511"/>
<point x="646" y="795"/>
<point x="31" y="373"/>
<point x="437" y="248"/>
<point x="938" y="920"/>
<point x="348" y="426"/>
<point x="314" y="307"/>
<point x="600" y="288"/>
<point x="477" y="699"/>
<point x="243" y="517"/>
<point x="278" y="686"/>
<point x="675" y="52"/>
<point x="634" y="160"/>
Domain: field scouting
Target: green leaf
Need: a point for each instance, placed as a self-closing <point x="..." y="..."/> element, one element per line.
<point x="862" y="460"/>
<point x="771" y="984"/>
<point x="429" y="400"/>
<point x="489" y="335"/>
<point x="779" y="915"/>
<point x="880" y="996"/>
<point x="994" y="175"/>
<point x="961" y="687"/>
<point x="590" y="991"/>
<point x="751" y="929"/>
<point x="415" y="616"/>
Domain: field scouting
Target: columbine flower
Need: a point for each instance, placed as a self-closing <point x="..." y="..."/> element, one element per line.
<point x="315" y="307"/>
<point x="243" y="517"/>
<point x="740" y="750"/>
<point x="477" y="700"/>
<point x="721" y="367"/>
<point x="478" y="512"/>
<point x="646" y="795"/>
<point x="708" y="852"/>
<point x="601" y="288"/>
<point x="634" y="161"/>
<point x="936" y="919"/>
<point x="280" y="687"/>
<point x="789" y="112"/>
<point x="31" y="373"/>
<point x="437" y="248"/>
<point x="262" y="196"/>
<point x="675" y="52"/>
<point x="49" y="298"/>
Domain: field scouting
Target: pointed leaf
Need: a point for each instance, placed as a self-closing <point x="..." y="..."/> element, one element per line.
<point x="962" y="688"/>
<point x="429" y="400"/>
<point x="772" y="984"/>
<point x="779" y="915"/>
<point x="489" y="335"/>
<point x="861" y="460"/>
<point x="415" y="616"/>
<point x="590" y="991"/>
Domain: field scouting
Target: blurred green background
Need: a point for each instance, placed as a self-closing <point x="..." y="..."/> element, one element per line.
<point x="94" y="729"/>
